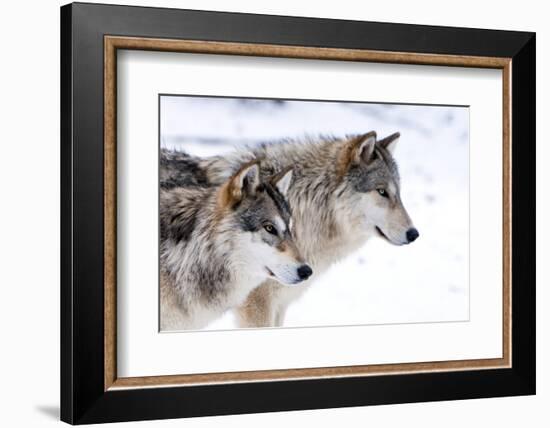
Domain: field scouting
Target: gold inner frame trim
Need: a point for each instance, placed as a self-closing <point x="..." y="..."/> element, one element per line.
<point x="113" y="43"/>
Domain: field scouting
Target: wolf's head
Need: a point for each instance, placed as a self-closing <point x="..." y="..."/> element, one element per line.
<point x="372" y="182"/>
<point x="261" y="217"/>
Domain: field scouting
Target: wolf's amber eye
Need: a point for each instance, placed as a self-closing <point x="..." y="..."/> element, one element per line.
<point x="270" y="229"/>
<point x="382" y="192"/>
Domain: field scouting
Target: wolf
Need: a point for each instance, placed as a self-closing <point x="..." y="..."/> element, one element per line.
<point x="219" y="242"/>
<point x="345" y="191"/>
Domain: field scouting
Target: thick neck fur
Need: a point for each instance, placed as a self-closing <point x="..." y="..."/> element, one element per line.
<point x="188" y="251"/>
<point x="199" y="276"/>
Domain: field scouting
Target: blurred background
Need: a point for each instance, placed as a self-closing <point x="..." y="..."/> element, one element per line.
<point x="427" y="281"/>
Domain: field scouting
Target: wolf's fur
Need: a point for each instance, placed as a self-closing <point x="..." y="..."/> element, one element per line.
<point x="335" y="201"/>
<point x="214" y="246"/>
<point x="179" y="169"/>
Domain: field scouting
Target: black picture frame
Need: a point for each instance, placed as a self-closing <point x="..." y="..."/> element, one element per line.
<point x="83" y="398"/>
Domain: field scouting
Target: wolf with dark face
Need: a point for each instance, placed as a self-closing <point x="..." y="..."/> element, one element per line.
<point x="344" y="192"/>
<point x="218" y="243"/>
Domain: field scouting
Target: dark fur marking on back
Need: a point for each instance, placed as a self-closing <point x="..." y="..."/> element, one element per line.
<point x="182" y="226"/>
<point x="178" y="169"/>
<point x="177" y="223"/>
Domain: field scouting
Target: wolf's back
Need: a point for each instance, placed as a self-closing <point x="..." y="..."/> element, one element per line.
<point x="182" y="169"/>
<point x="179" y="169"/>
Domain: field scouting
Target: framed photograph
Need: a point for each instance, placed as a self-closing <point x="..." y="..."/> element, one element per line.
<point x="266" y="213"/>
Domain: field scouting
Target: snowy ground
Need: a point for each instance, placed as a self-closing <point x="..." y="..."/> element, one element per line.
<point x="379" y="284"/>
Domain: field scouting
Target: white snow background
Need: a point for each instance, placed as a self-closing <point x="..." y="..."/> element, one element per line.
<point x="427" y="281"/>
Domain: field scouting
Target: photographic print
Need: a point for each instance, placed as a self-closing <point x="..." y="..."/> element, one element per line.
<point x="308" y="213"/>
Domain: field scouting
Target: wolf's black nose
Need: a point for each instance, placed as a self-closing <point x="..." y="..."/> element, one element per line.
<point x="304" y="272"/>
<point x="412" y="234"/>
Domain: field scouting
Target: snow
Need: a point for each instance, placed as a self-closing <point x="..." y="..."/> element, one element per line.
<point x="427" y="281"/>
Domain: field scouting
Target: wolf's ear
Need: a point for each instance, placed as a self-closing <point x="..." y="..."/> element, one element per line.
<point x="361" y="148"/>
<point x="245" y="181"/>
<point x="390" y="142"/>
<point x="282" y="180"/>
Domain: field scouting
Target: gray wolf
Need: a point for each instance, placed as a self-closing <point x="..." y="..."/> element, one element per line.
<point x="344" y="192"/>
<point x="219" y="242"/>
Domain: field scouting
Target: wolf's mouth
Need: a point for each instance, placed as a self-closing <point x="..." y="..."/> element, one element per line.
<point x="382" y="234"/>
<point x="269" y="272"/>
